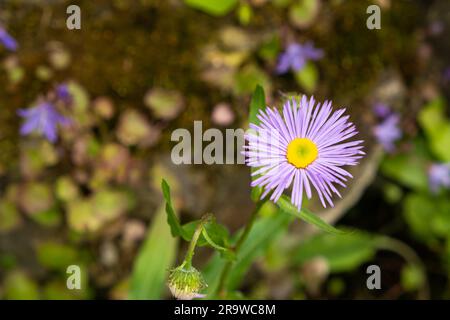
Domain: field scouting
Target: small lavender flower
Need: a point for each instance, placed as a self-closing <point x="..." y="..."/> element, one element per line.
<point x="381" y="110"/>
<point x="304" y="146"/>
<point x="388" y="132"/>
<point x="439" y="176"/>
<point x="446" y="75"/>
<point x="63" y="93"/>
<point x="7" y="41"/>
<point x="43" y="119"/>
<point x="296" y="56"/>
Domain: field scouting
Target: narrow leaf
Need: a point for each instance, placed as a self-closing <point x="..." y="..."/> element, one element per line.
<point x="172" y="219"/>
<point x="257" y="103"/>
<point x="155" y="257"/>
<point x="284" y="203"/>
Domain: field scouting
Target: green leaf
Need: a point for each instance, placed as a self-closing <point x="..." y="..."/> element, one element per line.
<point x="412" y="277"/>
<point x="308" y="77"/>
<point x="427" y="216"/>
<point x="342" y="252"/>
<point x="226" y="252"/>
<point x="172" y="219"/>
<point x="264" y="231"/>
<point x="215" y="8"/>
<point x="436" y="125"/>
<point x="257" y="103"/>
<point x="408" y="169"/>
<point x="153" y="260"/>
<point x="284" y="203"/>
<point x="56" y="256"/>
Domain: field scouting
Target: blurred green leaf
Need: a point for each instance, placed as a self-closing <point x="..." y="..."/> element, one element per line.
<point x="436" y="125"/>
<point x="342" y="252"/>
<point x="247" y="78"/>
<point x="9" y="216"/>
<point x="245" y="13"/>
<point x="56" y="256"/>
<point x="308" y="77"/>
<point x="19" y="286"/>
<point x="303" y="12"/>
<point x="284" y="203"/>
<point x="408" y="169"/>
<point x="155" y="257"/>
<point x="412" y="277"/>
<point x="215" y="8"/>
<point x="428" y="216"/>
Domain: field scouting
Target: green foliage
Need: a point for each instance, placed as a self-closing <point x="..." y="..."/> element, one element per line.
<point x="284" y="203"/>
<point x="265" y="230"/>
<point x="19" y="286"/>
<point x="412" y="277"/>
<point x="215" y="8"/>
<point x="155" y="257"/>
<point x="428" y="216"/>
<point x="213" y="234"/>
<point x="342" y="252"/>
<point x="308" y="77"/>
<point x="257" y="103"/>
<point x="56" y="256"/>
<point x="433" y="120"/>
<point x="408" y="169"/>
<point x="303" y="12"/>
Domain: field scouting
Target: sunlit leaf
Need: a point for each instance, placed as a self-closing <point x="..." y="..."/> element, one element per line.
<point x="216" y="8"/>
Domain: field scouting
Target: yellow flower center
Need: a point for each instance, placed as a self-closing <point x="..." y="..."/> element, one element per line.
<point x="301" y="152"/>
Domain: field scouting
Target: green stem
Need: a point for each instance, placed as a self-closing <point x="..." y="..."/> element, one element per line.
<point x="394" y="245"/>
<point x="227" y="268"/>
<point x="190" y="253"/>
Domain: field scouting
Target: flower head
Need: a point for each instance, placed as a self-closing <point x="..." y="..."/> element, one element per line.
<point x="296" y="56"/>
<point x="185" y="283"/>
<point x="7" y="41"/>
<point x="305" y="146"/>
<point x="43" y="119"/>
<point x="388" y="132"/>
<point x="439" y="176"/>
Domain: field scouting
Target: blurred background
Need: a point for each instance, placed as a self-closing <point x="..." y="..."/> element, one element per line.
<point x="86" y="190"/>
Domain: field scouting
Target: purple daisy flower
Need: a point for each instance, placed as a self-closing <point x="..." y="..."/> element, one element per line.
<point x="439" y="176"/>
<point x="303" y="145"/>
<point x="44" y="119"/>
<point x="296" y="56"/>
<point x="388" y="132"/>
<point x="8" y="42"/>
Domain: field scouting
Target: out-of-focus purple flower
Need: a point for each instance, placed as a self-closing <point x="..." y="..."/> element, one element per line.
<point x="63" y="93"/>
<point x="436" y="28"/>
<point x="43" y="119"/>
<point x="388" y="132"/>
<point x="381" y="110"/>
<point x="7" y="41"/>
<point x="446" y="74"/>
<point x="296" y="55"/>
<point x="439" y="176"/>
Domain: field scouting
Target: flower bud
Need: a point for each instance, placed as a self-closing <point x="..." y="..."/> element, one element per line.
<point x="186" y="282"/>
